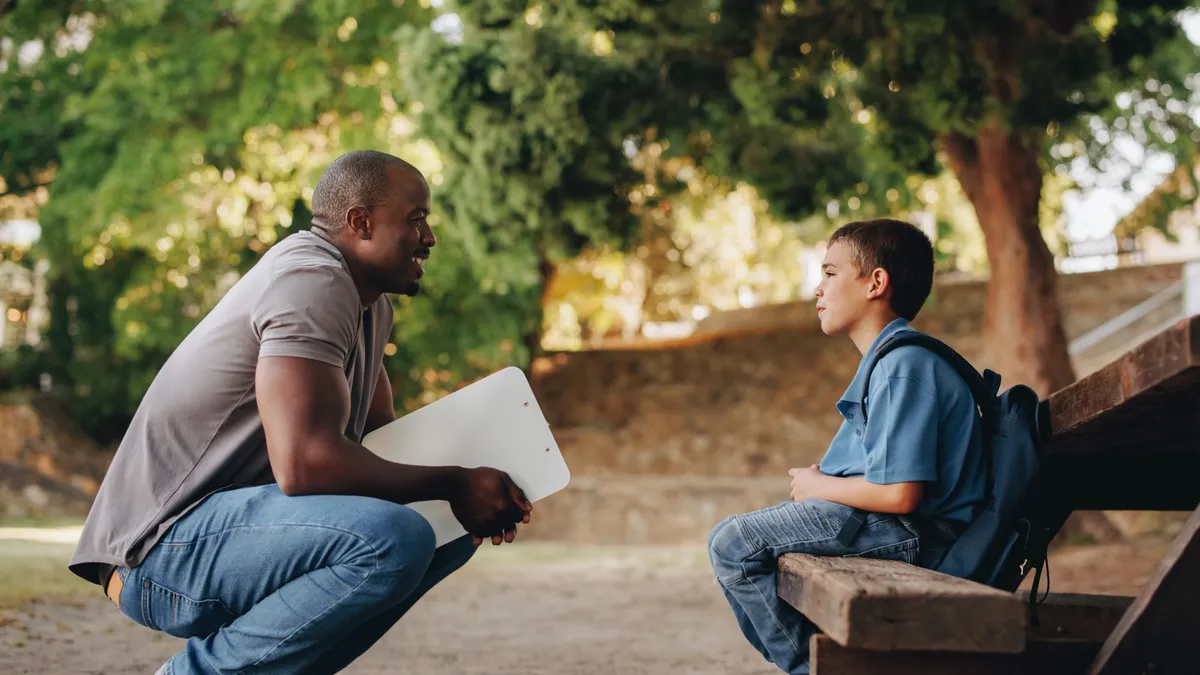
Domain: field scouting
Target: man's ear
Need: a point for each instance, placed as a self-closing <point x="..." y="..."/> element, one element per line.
<point x="880" y="283"/>
<point x="358" y="221"/>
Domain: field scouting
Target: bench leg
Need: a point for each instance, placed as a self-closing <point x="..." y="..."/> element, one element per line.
<point x="1160" y="632"/>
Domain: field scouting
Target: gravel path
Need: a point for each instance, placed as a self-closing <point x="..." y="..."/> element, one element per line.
<point x="627" y="613"/>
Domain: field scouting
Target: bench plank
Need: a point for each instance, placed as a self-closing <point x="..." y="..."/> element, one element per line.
<point x="1135" y="424"/>
<point x="1162" y="625"/>
<point x="1042" y="657"/>
<point x="1077" y="616"/>
<point x="1140" y="382"/>
<point x="881" y="604"/>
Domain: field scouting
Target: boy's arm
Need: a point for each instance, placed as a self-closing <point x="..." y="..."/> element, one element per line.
<point x="899" y="498"/>
<point x="900" y="441"/>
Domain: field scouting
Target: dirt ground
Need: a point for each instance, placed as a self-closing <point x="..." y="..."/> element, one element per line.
<point x="597" y="611"/>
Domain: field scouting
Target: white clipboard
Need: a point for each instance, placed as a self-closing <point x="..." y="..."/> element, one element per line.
<point x="495" y="422"/>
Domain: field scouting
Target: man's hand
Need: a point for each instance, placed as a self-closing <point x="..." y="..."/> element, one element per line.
<point x="489" y="504"/>
<point x="806" y="483"/>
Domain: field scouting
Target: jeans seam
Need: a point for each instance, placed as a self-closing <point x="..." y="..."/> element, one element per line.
<point x="761" y="595"/>
<point x="225" y="530"/>
<point x="375" y="568"/>
<point x="775" y="617"/>
<point x="754" y="552"/>
<point x="150" y="583"/>
<point x="834" y="527"/>
<point x="146" y="605"/>
<point x="760" y="548"/>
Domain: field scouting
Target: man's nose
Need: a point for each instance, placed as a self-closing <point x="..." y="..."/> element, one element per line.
<point x="427" y="238"/>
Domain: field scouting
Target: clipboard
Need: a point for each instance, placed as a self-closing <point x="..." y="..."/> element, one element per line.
<point x="495" y="422"/>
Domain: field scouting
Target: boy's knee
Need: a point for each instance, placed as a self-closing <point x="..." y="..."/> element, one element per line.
<point x="727" y="548"/>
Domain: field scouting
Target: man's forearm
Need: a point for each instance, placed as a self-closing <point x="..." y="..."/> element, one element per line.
<point x="341" y="466"/>
<point x="901" y="498"/>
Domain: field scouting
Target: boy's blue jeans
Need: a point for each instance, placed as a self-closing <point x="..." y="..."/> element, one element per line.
<point x="264" y="583"/>
<point x="744" y="549"/>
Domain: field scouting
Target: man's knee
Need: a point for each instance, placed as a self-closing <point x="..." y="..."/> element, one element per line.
<point x="400" y="539"/>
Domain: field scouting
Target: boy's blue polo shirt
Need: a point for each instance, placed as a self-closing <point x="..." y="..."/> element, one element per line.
<point x="922" y="425"/>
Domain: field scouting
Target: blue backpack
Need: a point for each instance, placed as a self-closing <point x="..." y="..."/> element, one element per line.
<point x="1005" y="539"/>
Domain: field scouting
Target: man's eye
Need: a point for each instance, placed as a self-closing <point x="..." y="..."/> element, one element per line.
<point x="829" y="274"/>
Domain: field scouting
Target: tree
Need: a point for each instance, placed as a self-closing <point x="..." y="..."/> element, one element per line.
<point x="523" y="121"/>
<point x="174" y="141"/>
<point x="819" y="101"/>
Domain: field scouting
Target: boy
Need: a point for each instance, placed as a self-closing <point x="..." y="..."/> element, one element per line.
<point x="917" y="469"/>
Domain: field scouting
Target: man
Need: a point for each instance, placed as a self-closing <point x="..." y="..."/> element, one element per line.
<point x="241" y="511"/>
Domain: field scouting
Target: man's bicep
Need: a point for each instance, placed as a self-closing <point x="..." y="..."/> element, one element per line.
<point x="298" y="400"/>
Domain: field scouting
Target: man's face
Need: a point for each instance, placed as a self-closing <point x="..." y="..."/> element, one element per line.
<point x="843" y="294"/>
<point x="400" y="239"/>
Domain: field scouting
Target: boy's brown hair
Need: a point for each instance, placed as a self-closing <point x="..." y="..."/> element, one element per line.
<point x="900" y="249"/>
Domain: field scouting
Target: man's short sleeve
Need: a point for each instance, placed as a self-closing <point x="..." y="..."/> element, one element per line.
<point x="901" y="438"/>
<point x="310" y="312"/>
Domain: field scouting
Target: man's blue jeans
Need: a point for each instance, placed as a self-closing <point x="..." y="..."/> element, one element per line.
<point x="264" y="583"/>
<point x="744" y="549"/>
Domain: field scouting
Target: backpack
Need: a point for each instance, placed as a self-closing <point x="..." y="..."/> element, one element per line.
<point x="1006" y="539"/>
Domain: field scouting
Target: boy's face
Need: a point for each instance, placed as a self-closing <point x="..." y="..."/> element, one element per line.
<point x="843" y="296"/>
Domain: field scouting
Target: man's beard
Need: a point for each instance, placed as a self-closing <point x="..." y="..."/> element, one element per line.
<point x="411" y="289"/>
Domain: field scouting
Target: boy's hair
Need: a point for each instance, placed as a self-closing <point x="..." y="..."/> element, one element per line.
<point x="900" y="249"/>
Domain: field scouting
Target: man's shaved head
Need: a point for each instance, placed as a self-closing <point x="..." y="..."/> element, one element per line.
<point x="375" y="209"/>
<point x="356" y="179"/>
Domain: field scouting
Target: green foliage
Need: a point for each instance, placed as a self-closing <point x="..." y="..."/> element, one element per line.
<point x="178" y="136"/>
<point x="177" y="140"/>
<point x="531" y="175"/>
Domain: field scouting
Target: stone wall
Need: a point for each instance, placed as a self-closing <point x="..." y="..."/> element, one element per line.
<point x="669" y="439"/>
<point x="46" y="469"/>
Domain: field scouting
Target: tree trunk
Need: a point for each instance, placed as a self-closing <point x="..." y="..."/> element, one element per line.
<point x="533" y="338"/>
<point x="1023" y="330"/>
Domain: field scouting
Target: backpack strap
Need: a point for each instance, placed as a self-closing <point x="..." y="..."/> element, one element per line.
<point x="983" y="389"/>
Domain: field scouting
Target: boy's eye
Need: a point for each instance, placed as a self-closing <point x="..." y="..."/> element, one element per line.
<point x="829" y="274"/>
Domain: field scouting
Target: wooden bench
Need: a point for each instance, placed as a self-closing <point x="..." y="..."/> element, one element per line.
<point x="1125" y="437"/>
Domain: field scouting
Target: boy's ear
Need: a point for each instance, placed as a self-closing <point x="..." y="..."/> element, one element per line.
<point x="878" y="284"/>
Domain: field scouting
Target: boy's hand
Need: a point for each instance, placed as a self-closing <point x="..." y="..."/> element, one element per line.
<point x="806" y="483"/>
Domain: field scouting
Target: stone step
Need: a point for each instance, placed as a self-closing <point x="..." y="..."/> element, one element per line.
<point x="659" y="510"/>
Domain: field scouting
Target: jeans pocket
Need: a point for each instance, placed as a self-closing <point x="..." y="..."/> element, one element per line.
<point x="907" y="551"/>
<point x="180" y="616"/>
